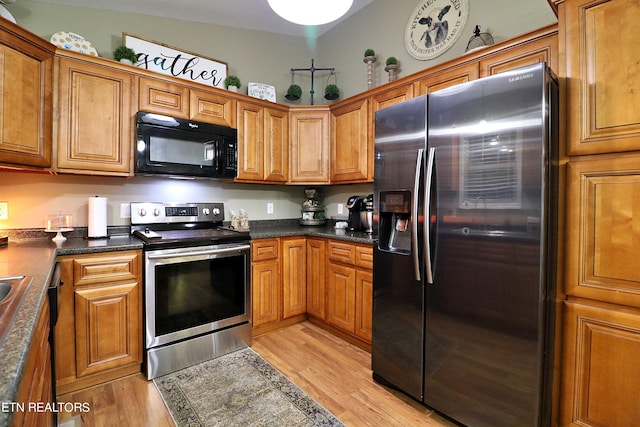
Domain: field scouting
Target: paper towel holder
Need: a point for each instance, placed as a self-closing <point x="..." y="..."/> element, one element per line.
<point x="89" y="228"/>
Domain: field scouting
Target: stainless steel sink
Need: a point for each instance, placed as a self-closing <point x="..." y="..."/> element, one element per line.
<point x="12" y="290"/>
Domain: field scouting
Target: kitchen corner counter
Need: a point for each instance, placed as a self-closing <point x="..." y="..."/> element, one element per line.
<point x="35" y="258"/>
<point x="289" y="228"/>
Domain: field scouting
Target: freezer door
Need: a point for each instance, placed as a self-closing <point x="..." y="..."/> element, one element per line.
<point x="485" y="312"/>
<point x="398" y="279"/>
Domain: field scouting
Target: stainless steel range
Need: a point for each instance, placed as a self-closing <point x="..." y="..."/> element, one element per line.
<point x="197" y="284"/>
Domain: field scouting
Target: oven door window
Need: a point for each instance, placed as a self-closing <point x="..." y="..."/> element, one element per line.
<point x="196" y="293"/>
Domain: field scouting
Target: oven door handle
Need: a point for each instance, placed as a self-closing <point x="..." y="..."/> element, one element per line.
<point x="198" y="253"/>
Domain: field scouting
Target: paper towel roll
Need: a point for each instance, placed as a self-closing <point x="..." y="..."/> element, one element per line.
<point x="97" y="216"/>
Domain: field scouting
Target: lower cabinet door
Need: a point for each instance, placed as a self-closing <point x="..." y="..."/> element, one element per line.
<point x="341" y="297"/>
<point x="364" y="304"/>
<point x="601" y="367"/>
<point x="107" y="327"/>
<point x="265" y="280"/>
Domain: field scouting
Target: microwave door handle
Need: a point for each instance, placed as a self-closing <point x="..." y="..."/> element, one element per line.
<point x="427" y="214"/>
<point x="414" y="222"/>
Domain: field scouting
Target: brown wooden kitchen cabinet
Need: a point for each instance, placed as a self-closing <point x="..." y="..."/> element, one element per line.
<point x="263" y="142"/>
<point x="294" y="276"/>
<point x="36" y="384"/>
<point x="186" y="102"/>
<point x="309" y="145"/>
<point x="316" y="277"/>
<point x="351" y="146"/>
<point x="99" y="331"/>
<point x="599" y="379"/>
<point x="601" y="74"/>
<point x="538" y="47"/>
<point x="96" y="104"/>
<point x="265" y="281"/>
<point x="26" y="98"/>
<point x="603" y="245"/>
<point x="447" y="77"/>
<point x="601" y="368"/>
<point x="349" y="288"/>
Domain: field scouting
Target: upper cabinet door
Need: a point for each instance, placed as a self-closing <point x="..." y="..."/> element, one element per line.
<point x="250" y="141"/>
<point x="446" y="78"/>
<point x="162" y="97"/>
<point x="544" y="49"/>
<point x="211" y="107"/>
<point x="276" y="144"/>
<point x="309" y="155"/>
<point x="602" y="75"/>
<point x="351" y="147"/>
<point x="95" y="128"/>
<point x="26" y="103"/>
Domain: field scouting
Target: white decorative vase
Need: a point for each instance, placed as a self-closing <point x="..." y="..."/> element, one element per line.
<point x="232" y="88"/>
<point x="126" y="61"/>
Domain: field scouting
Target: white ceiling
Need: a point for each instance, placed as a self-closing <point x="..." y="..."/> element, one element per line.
<point x="248" y="14"/>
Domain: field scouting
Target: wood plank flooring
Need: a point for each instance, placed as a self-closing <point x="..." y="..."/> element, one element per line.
<point x="333" y="372"/>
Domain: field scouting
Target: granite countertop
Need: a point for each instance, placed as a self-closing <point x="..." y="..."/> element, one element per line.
<point x="32" y="253"/>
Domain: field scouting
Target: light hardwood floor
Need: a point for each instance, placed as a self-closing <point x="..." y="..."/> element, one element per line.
<point x="333" y="372"/>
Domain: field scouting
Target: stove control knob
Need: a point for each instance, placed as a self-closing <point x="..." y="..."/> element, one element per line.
<point x="142" y="212"/>
<point x="206" y="211"/>
<point x="156" y="212"/>
<point x="216" y="211"/>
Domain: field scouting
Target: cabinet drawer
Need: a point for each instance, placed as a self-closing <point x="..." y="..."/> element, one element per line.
<point x="106" y="268"/>
<point x="263" y="250"/>
<point x="364" y="257"/>
<point x="342" y="252"/>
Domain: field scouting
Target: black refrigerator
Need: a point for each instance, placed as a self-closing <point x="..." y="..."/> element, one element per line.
<point x="465" y="214"/>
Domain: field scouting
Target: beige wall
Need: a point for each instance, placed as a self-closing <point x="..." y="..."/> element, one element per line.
<point x="253" y="56"/>
<point x="267" y="58"/>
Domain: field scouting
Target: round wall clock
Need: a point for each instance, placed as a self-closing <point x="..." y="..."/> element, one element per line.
<point x="434" y="26"/>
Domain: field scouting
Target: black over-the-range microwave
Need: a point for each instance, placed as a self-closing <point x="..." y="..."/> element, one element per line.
<point x="178" y="147"/>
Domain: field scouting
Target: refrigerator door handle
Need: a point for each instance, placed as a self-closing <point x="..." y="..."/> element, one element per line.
<point x="427" y="214"/>
<point x="414" y="223"/>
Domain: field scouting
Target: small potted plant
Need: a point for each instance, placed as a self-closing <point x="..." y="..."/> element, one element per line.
<point x="126" y="55"/>
<point x="331" y="92"/>
<point x="369" y="56"/>
<point x="293" y="93"/>
<point x="392" y="68"/>
<point x="232" y="83"/>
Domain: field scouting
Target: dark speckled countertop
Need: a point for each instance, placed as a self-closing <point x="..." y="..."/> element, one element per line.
<point x="32" y="253"/>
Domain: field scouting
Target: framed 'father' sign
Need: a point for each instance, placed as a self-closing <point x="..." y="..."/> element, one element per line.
<point x="171" y="61"/>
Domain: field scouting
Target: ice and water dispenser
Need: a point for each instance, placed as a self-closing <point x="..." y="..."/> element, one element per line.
<point x="394" y="229"/>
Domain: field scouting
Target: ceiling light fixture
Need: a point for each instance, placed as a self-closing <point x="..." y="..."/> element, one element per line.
<point x="310" y="12"/>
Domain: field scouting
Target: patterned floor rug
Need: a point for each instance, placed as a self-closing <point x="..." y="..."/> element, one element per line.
<point x="239" y="389"/>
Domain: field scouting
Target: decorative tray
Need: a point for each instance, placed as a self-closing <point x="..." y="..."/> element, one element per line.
<point x="74" y="42"/>
<point x="262" y="91"/>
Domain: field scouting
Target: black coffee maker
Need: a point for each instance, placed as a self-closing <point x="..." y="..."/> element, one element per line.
<point x="355" y="205"/>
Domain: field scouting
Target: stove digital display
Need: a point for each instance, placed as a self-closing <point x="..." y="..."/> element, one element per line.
<point x="181" y="211"/>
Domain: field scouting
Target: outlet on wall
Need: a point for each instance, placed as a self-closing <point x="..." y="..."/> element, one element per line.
<point x="270" y="208"/>
<point x="4" y="210"/>
<point x="340" y="208"/>
<point x="125" y="210"/>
